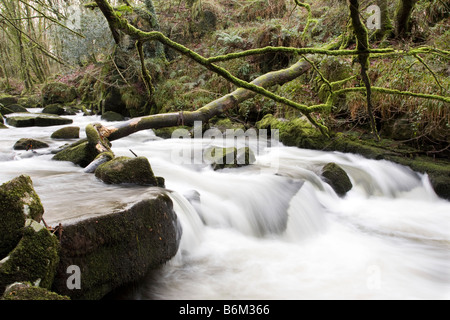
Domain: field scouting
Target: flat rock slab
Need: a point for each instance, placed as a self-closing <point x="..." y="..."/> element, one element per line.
<point x="36" y="120"/>
<point x="102" y="253"/>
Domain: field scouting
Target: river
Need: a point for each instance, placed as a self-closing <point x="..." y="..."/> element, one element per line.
<point x="272" y="230"/>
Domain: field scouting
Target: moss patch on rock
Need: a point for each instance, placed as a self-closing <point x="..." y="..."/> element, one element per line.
<point x="81" y="153"/>
<point x="119" y="248"/>
<point x="6" y="99"/>
<point x="66" y="133"/>
<point x="57" y="92"/>
<point x="29" y="144"/>
<point x="127" y="170"/>
<point x="337" y="178"/>
<point x="18" y="202"/>
<point x="39" y="120"/>
<point x="222" y="158"/>
<point x="34" y="259"/>
<point x="26" y="291"/>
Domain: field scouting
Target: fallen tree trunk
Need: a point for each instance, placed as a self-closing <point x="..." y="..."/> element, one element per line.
<point x="207" y="112"/>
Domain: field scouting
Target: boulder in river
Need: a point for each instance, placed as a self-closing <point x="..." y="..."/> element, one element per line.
<point x="18" y="202"/>
<point x="70" y="132"/>
<point x="29" y="144"/>
<point x="127" y="170"/>
<point x="337" y="178"/>
<point x="221" y="158"/>
<point x="54" y="109"/>
<point x="102" y="253"/>
<point x="81" y="153"/>
<point x="37" y="120"/>
<point x="112" y="116"/>
<point x="17" y="108"/>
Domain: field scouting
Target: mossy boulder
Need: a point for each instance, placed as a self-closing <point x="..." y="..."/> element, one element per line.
<point x="6" y="100"/>
<point x="55" y="108"/>
<point x="112" y="250"/>
<point x="5" y="110"/>
<point x="34" y="259"/>
<point x="57" y="92"/>
<point x="18" y="202"/>
<point x="293" y="133"/>
<point x="66" y="133"/>
<point x="81" y="153"/>
<point x="166" y="133"/>
<point x="15" y="108"/>
<point x="127" y="170"/>
<point x="27" y="291"/>
<point x="112" y="116"/>
<point x="33" y="101"/>
<point x="222" y="158"/>
<point x="224" y="124"/>
<point x="37" y="120"/>
<point x="337" y="178"/>
<point x="29" y="144"/>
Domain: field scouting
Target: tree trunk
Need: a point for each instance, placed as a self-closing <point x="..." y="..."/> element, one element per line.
<point x="403" y="17"/>
<point x="362" y="38"/>
<point x="207" y="112"/>
<point x="386" y="23"/>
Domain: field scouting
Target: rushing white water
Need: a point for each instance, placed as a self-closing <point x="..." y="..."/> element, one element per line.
<point x="265" y="231"/>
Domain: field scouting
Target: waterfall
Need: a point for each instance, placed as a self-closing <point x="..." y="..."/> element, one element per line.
<point x="266" y="231"/>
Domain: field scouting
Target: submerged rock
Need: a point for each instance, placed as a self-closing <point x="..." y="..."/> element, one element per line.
<point x="66" y="133"/>
<point x="34" y="259"/>
<point x="118" y="248"/>
<point x="29" y="144"/>
<point x="18" y="202"/>
<point x="127" y="170"/>
<point x="337" y="178"/>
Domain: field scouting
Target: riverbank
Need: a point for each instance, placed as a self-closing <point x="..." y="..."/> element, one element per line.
<point x="300" y="134"/>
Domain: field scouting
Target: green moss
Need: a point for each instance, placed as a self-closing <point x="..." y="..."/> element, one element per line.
<point x="6" y="100"/>
<point x="18" y="202"/>
<point x="27" y="144"/>
<point x="81" y="154"/>
<point x="66" y="133"/>
<point x="26" y="291"/>
<point x="34" y="259"/>
<point x="297" y="132"/>
<point x="118" y="248"/>
<point x="127" y="170"/>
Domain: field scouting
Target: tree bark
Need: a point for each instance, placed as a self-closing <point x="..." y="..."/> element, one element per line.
<point x="386" y="23"/>
<point x="403" y="17"/>
<point x="362" y="38"/>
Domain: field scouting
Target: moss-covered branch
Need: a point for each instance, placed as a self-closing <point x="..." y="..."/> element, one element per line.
<point x="210" y="110"/>
<point x="395" y="92"/>
<point x="120" y="25"/>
